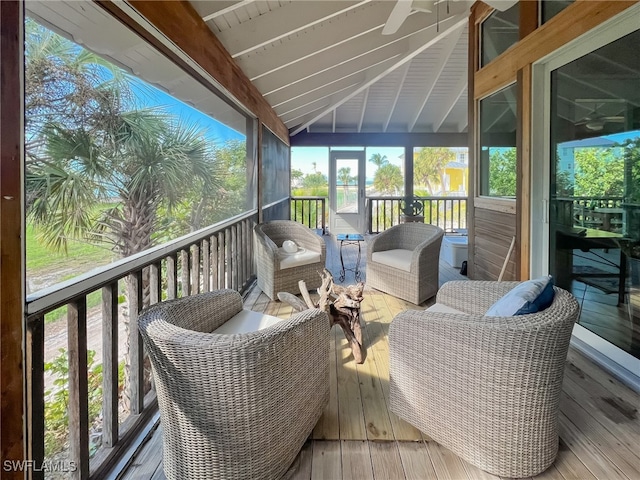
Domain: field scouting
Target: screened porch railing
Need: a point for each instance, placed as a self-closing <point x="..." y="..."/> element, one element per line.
<point x="310" y="211"/>
<point x="448" y="213"/>
<point x="220" y="256"/>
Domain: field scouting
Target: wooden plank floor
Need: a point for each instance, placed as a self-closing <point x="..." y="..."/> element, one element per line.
<point x="359" y="438"/>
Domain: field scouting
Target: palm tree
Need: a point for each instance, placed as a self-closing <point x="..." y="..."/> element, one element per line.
<point x="378" y="160"/>
<point x="429" y="164"/>
<point x="66" y="84"/>
<point x="145" y="163"/>
<point x="344" y="176"/>
<point x="388" y="179"/>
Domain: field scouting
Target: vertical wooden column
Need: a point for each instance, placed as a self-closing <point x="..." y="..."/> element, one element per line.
<point x="523" y="175"/>
<point x="259" y="160"/>
<point x="473" y="60"/>
<point x="11" y="228"/>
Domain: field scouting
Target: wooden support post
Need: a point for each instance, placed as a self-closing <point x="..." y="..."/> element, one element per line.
<point x="12" y="377"/>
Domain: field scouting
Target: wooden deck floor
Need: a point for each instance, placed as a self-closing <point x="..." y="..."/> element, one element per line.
<point x="359" y="438"/>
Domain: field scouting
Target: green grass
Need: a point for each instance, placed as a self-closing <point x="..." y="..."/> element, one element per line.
<point x="80" y="256"/>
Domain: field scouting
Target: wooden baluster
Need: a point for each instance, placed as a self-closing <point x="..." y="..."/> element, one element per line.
<point x="185" y="276"/>
<point x="206" y="266"/>
<point x="110" y="364"/>
<point x="155" y="283"/>
<point x="214" y="263"/>
<point x="227" y="257"/>
<point x="136" y="366"/>
<point x="35" y="393"/>
<point x="172" y="277"/>
<point x="195" y="269"/>
<point x="221" y="260"/>
<point x="78" y="409"/>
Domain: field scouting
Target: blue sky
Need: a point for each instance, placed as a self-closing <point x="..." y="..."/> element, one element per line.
<point x="149" y="96"/>
<point x="302" y="158"/>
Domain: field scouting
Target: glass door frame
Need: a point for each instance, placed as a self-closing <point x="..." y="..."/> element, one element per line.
<point x="356" y="222"/>
<point x="600" y="350"/>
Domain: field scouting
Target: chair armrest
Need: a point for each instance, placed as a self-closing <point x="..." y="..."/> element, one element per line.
<point x="379" y="242"/>
<point x="191" y="315"/>
<point x="473" y="297"/>
<point x="427" y="251"/>
<point x="308" y="239"/>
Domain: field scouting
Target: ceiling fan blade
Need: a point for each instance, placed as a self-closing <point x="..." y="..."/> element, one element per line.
<point x="400" y="12"/>
<point x="501" y="5"/>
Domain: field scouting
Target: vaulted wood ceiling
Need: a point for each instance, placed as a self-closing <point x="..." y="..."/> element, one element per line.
<point x="325" y="66"/>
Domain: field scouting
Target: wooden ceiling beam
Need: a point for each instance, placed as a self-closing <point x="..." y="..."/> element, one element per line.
<point x="308" y="107"/>
<point x="280" y="23"/>
<point x="339" y="39"/>
<point x="333" y="87"/>
<point x="452" y="99"/>
<point x="449" y="43"/>
<point x="364" y="109"/>
<point x="396" y="96"/>
<point x="296" y="85"/>
<point x="421" y="43"/>
<point x="225" y="8"/>
<point x="180" y="23"/>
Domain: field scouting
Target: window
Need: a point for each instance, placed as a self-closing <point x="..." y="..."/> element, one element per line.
<point x="385" y="171"/>
<point x="594" y="247"/>
<point x="116" y="165"/>
<point x="498" y="153"/>
<point x="498" y="32"/>
<point x="440" y="171"/>
<point x="551" y="9"/>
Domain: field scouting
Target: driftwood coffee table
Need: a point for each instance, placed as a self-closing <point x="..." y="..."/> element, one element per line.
<point x="342" y="304"/>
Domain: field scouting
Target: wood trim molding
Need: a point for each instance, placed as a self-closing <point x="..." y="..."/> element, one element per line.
<point x="473" y="61"/>
<point x="528" y="17"/>
<point x="504" y="205"/>
<point x="574" y="21"/>
<point x="180" y="23"/>
<point x="523" y="175"/>
<point x="480" y="11"/>
<point x="11" y="212"/>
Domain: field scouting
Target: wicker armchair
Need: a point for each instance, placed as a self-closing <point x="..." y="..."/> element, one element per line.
<point x="487" y="388"/>
<point x="274" y="272"/>
<point x="237" y="405"/>
<point x="417" y="279"/>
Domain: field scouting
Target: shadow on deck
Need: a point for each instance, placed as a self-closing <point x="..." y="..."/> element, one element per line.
<point x="358" y="437"/>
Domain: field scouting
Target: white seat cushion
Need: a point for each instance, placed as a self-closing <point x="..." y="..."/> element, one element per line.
<point x="396" y="258"/>
<point x="247" y="321"/>
<point x="303" y="257"/>
<point x="441" y="308"/>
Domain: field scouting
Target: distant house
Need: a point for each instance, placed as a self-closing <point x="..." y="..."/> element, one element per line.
<point x="456" y="173"/>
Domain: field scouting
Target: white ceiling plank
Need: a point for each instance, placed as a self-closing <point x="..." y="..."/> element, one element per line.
<point x="455" y="93"/>
<point x="226" y="9"/>
<point x="317" y="85"/>
<point x="304" y="108"/>
<point x="364" y="109"/>
<point x="289" y="122"/>
<point x="321" y="92"/>
<point x="280" y="23"/>
<point x="339" y="38"/>
<point x="327" y="67"/>
<point x="423" y="41"/>
<point x="450" y="43"/>
<point x="396" y="96"/>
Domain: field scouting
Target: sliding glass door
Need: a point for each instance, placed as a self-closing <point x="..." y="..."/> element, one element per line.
<point x="593" y="188"/>
<point x="585" y="187"/>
